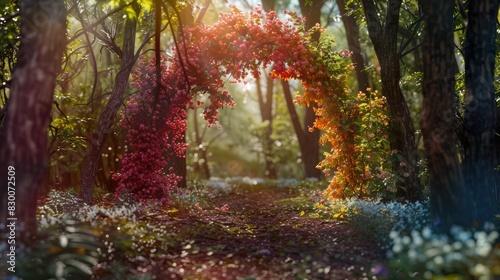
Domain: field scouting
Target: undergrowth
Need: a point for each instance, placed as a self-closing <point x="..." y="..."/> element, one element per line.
<point x="415" y="248"/>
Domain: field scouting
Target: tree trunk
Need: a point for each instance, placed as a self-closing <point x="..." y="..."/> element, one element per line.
<point x="497" y="156"/>
<point x="309" y="151"/>
<point x="179" y="166"/>
<point x="311" y="10"/>
<point x="266" y="113"/>
<point x="91" y="161"/>
<point x="402" y="131"/>
<point x="352" y="33"/>
<point x="480" y="108"/>
<point x="23" y="138"/>
<point x="447" y="188"/>
<point x="180" y="163"/>
<point x="202" y="149"/>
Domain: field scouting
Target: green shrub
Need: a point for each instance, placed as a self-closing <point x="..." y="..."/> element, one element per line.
<point x="376" y="220"/>
<point x="68" y="250"/>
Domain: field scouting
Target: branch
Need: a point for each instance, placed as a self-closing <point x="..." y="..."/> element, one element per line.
<point x="157" y="43"/>
<point x="461" y="9"/>
<point x="406" y="33"/>
<point x="95" y="24"/>
<point x="181" y="28"/>
<point x="410" y="50"/>
<point x="92" y="56"/>
<point x="293" y="113"/>
<point x="203" y="11"/>
<point x="59" y="109"/>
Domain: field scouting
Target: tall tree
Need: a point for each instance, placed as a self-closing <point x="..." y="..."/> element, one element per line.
<point x="23" y="135"/>
<point x="480" y="107"/>
<point x="462" y="195"/>
<point x="447" y="188"/>
<point x="384" y="36"/>
<point x="308" y="139"/>
<point x="128" y="58"/>
<point x="352" y="32"/>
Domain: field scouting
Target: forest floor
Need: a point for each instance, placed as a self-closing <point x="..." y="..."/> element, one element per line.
<point x="262" y="232"/>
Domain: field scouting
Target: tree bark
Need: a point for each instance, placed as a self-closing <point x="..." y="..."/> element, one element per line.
<point x="266" y="113"/>
<point x="23" y="138"/>
<point x="91" y="161"/>
<point x="438" y="122"/>
<point x="402" y="131"/>
<point x="202" y="164"/>
<point x="352" y="32"/>
<point x="309" y="152"/>
<point x="311" y="10"/>
<point x="480" y="108"/>
<point x="179" y="164"/>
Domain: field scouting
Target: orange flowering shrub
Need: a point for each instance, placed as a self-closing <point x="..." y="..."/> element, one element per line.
<point x="354" y="126"/>
<point x="360" y="154"/>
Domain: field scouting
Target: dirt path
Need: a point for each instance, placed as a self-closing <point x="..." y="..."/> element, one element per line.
<point x="264" y="235"/>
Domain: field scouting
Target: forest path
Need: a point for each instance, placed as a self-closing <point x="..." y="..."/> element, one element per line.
<point x="267" y="234"/>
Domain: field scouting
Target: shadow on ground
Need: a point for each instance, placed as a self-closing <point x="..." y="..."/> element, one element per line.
<point x="266" y="234"/>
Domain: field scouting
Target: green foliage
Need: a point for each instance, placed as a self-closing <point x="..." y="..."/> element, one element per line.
<point x="68" y="250"/>
<point x="282" y="149"/>
<point x="9" y="44"/>
<point x="68" y="145"/>
<point x="376" y="220"/>
<point x="130" y="8"/>
<point x="373" y="147"/>
<point x="121" y="239"/>
<point x="9" y="25"/>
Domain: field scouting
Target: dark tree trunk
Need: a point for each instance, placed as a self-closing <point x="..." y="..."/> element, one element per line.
<point x="497" y="156"/>
<point x="480" y="108"/>
<point x="23" y="138"/>
<point x="311" y="10"/>
<point x="402" y="131"/>
<point x="352" y="32"/>
<point x="309" y="151"/>
<point x="438" y="122"/>
<point x="91" y="161"/>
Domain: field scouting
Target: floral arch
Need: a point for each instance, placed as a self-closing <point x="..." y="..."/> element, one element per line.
<point x="235" y="47"/>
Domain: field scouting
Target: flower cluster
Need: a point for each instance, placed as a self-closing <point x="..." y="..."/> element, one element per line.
<point x="463" y="253"/>
<point x="357" y="130"/>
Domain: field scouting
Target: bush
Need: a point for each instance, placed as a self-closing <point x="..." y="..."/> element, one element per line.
<point x="376" y="220"/>
<point x="414" y="251"/>
<point x="68" y="250"/>
<point x="107" y="240"/>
